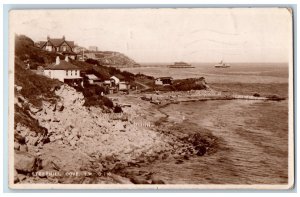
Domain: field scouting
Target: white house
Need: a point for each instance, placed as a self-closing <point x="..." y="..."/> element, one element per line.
<point x="64" y="71"/>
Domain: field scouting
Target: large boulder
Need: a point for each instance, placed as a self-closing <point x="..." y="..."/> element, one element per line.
<point x="25" y="162"/>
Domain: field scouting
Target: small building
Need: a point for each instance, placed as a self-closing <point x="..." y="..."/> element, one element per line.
<point x="124" y="86"/>
<point x="164" y="81"/>
<point x="92" y="79"/>
<point x="64" y="71"/>
<point x="114" y="81"/>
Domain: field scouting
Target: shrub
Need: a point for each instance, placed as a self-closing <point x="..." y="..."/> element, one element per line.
<point x="118" y="109"/>
<point x="256" y="95"/>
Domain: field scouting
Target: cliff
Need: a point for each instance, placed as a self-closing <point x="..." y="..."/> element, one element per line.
<point x="112" y="58"/>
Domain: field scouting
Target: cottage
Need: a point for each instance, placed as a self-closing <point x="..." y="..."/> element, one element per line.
<point x="64" y="71"/>
<point x="60" y="45"/>
<point x="164" y="81"/>
<point x="92" y="79"/>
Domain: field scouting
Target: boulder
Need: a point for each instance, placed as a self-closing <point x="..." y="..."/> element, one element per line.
<point x="120" y="179"/>
<point x="52" y="138"/>
<point x="16" y="178"/>
<point x="23" y="148"/>
<point x="25" y="162"/>
<point x="16" y="146"/>
<point x="201" y="150"/>
<point x="156" y="180"/>
<point x="59" y="137"/>
<point x="138" y="180"/>
<point x="73" y="142"/>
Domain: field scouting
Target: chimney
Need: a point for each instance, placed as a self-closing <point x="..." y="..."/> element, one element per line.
<point x="64" y="37"/>
<point x="57" y="60"/>
<point x="48" y="38"/>
<point x="66" y="58"/>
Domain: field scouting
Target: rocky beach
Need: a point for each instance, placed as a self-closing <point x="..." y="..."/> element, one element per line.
<point x="95" y="144"/>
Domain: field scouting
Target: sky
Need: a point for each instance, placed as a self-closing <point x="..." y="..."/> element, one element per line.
<point x="168" y="35"/>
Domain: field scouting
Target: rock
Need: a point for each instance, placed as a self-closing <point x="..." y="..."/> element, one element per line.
<point x="138" y="180"/>
<point x="16" y="178"/>
<point x="58" y="137"/>
<point x="73" y="142"/>
<point x="16" y="146"/>
<point x="34" y="109"/>
<point x="120" y="179"/>
<point x="201" y="150"/>
<point x="55" y="119"/>
<point x="52" y="138"/>
<point x="21" y="177"/>
<point x="66" y="133"/>
<point x="23" y="148"/>
<point x="179" y="161"/>
<point x="25" y="162"/>
<point x="76" y="132"/>
<point x="156" y="180"/>
<point x="185" y="157"/>
<point x="31" y="140"/>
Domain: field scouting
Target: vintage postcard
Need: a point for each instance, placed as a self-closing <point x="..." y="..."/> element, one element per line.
<point x="198" y="98"/>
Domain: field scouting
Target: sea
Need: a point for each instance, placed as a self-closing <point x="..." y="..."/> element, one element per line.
<point x="253" y="135"/>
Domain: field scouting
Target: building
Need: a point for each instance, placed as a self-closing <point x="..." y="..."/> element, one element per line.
<point x="114" y="81"/>
<point x="60" y="45"/>
<point x="93" y="48"/>
<point x="164" y="81"/>
<point x="92" y="79"/>
<point x="124" y="86"/>
<point x="64" y="71"/>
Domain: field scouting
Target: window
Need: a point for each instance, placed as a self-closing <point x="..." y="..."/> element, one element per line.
<point x="71" y="72"/>
<point x="66" y="72"/>
<point x="75" y="72"/>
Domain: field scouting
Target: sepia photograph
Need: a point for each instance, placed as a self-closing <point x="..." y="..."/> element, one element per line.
<point x="164" y="98"/>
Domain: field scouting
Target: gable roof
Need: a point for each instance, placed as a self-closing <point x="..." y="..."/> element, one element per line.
<point x="57" y="42"/>
<point x="117" y="80"/>
<point x="63" y="65"/>
<point x="92" y="76"/>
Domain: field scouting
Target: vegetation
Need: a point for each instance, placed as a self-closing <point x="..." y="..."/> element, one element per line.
<point x="93" y="96"/>
<point x="35" y="87"/>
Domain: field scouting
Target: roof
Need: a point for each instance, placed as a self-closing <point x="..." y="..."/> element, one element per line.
<point x="69" y="53"/>
<point x="91" y="76"/>
<point x="117" y="80"/>
<point x="57" y="42"/>
<point x="164" y="78"/>
<point x="63" y="65"/>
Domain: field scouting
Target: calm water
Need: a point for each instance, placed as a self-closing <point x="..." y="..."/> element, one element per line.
<point x="253" y="134"/>
<point x="255" y="146"/>
<point x="242" y="73"/>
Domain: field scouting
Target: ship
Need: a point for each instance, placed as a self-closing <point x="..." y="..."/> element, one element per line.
<point x="181" y="65"/>
<point x="222" y="65"/>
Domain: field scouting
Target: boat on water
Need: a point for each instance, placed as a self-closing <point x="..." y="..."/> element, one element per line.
<point x="222" y="65"/>
<point x="181" y="65"/>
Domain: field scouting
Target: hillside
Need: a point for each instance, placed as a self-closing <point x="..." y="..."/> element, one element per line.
<point x="112" y="58"/>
